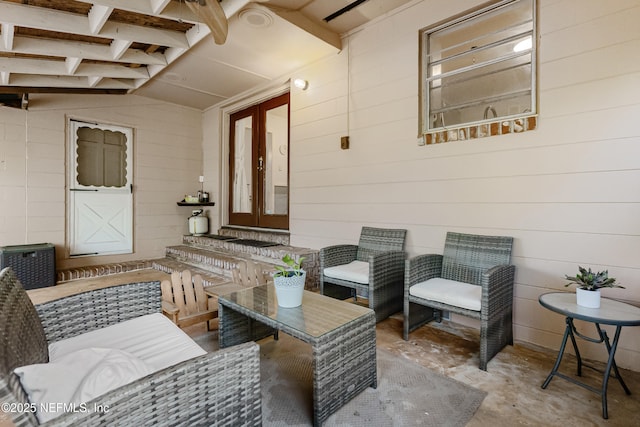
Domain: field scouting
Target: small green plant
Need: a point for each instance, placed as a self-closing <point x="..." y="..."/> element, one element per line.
<point x="590" y="281"/>
<point x="293" y="268"/>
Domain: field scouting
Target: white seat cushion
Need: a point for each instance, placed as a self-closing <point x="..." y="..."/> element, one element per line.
<point x="78" y="377"/>
<point x="355" y="271"/>
<point x="152" y="338"/>
<point x="458" y="294"/>
<point x="90" y="364"/>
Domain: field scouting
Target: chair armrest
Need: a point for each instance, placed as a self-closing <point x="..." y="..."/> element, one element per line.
<point x="170" y="310"/>
<point x="497" y="287"/>
<point x="212" y="303"/>
<point x="337" y="255"/>
<point x="76" y="314"/>
<point x="219" y="388"/>
<point x="386" y="267"/>
<point x="169" y="307"/>
<point x="421" y="268"/>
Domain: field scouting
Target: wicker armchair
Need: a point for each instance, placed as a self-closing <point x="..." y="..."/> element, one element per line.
<point x="219" y="388"/>
<point x="379" y="280"/>
<point x="468" y="261"/>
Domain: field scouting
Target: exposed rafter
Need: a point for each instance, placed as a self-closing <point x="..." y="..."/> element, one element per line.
<point x="300" y="20"/>
<point x="60" y="48"/>
<point x="110" y="45"/>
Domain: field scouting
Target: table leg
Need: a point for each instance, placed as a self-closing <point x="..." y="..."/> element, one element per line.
<point x="233" y="327"/>
<point x="611" y="363"/>
<point x="575" y="345"/>
<point x="567" y="332"/>
<point x="610" y="348"/>
<point x="344" y="364"/>
<point x="237" y="328"/>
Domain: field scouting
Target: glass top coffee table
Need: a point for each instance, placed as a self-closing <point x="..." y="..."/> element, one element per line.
<point x="342" y="336"/>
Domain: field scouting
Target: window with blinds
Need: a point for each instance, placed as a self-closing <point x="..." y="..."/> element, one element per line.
<point x="480" y="68"/>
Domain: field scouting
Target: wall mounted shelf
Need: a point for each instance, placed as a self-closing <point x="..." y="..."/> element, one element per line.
<point x="183" y="203"/>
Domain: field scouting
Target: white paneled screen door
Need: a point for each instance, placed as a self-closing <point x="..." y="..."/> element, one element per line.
<point x="100" y="189"/>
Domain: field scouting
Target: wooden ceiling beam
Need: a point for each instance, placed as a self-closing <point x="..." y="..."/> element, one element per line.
<point x="89" y="46"/>
<point x="72" y="64"/>
<point x="67" y="82"/>
<point x="60" y="68"/>
<point x="166" y="9"/>
<point x="93" y="81"/>
<point x="93" y="51"/>
<point x="8" y="32"/>
<point x="98" y="16"/>
<point x="301" y="21"/>
<point x="31" y="89"/>
<point x="119" y="47"/>
<point x="64" y="22"/>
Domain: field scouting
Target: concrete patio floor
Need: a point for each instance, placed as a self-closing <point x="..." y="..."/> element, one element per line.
<point x="512" y="381"/>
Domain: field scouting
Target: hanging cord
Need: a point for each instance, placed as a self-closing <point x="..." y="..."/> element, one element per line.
<point x="348" y="83"/>
<point x="26" y="176"/>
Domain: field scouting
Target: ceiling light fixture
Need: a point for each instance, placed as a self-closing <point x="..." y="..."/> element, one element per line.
<point x="523" y="45"/>
<point x="255" y="17"/>
<point x="301" y="84"/>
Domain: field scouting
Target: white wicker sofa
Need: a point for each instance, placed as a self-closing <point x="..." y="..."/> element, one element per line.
<point x="220" y="388"/>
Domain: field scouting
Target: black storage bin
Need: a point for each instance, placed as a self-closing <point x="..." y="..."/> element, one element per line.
<point x="35" y="265"/>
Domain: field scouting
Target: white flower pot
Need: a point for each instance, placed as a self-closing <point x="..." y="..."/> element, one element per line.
<point x="289" y="290"/>
<point x="589" y="299"/>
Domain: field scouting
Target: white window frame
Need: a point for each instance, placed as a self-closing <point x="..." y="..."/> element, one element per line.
<point x="433" y="123"/>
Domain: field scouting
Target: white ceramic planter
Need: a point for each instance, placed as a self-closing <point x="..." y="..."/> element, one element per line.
<point x="589" y="299"/>
<point x="289" y="290"/>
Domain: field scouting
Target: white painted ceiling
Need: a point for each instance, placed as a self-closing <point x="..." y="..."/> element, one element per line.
<point x="267" y="39"/>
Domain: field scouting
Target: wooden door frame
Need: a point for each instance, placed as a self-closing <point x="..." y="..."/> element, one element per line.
<point x="258" y="112"/>
<point x="246" y="219"/>
<point x="272" y="220"/>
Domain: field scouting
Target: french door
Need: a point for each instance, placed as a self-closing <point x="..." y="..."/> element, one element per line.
<point x="259" y="165"/>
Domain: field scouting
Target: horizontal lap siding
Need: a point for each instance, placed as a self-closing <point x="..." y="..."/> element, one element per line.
<point x="168" y="160"/>
<point x="569" y="192"/>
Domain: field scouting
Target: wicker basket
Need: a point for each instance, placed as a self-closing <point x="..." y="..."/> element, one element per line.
<point x="35" y="265"/>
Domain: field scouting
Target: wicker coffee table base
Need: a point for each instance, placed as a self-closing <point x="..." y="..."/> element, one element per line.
<point x="344" y="359"/>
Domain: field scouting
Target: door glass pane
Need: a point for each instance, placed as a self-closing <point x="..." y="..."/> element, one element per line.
<point x="101" y="158"/>
<point x="276" y="191"/>
<point x="242" y="190"/>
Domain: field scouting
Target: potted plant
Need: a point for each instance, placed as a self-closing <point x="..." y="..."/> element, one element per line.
<point x="589" y="285"/>
<point x="289" y="282"/>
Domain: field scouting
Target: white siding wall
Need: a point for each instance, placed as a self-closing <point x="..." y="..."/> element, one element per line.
<point x="568" y="192"/>
<point x="213" y="167"/>
<point x="168" y="153"/>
